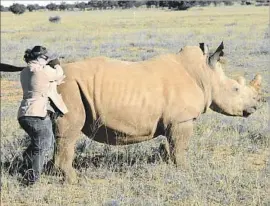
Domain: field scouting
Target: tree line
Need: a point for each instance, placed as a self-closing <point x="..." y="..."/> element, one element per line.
<point x="17" y="8"/>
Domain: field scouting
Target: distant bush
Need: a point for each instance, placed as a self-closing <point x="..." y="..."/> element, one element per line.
<point x="127" y="4"/>
<point x="150" y="4"/>
<point x="180" y="5"/>
<point x="17" y="8"/>
<point x="55" y="19"/>
<point x="41" y="7"/>
<point x="163" y="4"/>
<point x="2" y="8"/>
<point x="52" y="7"/>
<point x="31" y="7"/>
<point x="228" y="3"/>
<point x="63" y="6"/>
<point x="81" y="5"/>
<point x="262" y="2"/>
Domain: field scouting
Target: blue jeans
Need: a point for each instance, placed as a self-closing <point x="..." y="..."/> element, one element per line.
<point x="42" y="141"/>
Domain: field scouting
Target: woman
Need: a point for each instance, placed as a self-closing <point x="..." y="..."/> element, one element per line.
<point x="39" y="80"/>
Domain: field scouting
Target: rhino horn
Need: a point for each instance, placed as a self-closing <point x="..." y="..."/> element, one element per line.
<point x="256" y="82"/>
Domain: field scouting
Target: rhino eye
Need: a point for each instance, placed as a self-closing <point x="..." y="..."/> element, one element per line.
<point x="235" y="89"/>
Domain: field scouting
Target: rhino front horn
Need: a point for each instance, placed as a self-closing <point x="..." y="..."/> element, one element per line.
<point x="256" y="82"/>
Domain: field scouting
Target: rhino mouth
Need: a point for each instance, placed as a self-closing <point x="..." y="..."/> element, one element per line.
<point x="249" y="111"/>
<point x="245" y="113"/>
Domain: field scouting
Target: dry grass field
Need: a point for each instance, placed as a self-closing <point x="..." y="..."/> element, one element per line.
<point x="229" y="156"/>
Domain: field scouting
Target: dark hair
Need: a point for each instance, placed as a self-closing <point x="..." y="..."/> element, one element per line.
<point x="32" y="54"/>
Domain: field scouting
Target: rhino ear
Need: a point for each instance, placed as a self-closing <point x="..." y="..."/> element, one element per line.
<point x="204" y="48"/>
<point x="217" y="54"/>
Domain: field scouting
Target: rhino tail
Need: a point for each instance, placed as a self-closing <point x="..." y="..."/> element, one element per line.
<point x="10" y="68"/>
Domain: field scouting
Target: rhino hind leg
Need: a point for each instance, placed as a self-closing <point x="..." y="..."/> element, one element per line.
<point x="65" y="154"/>
<point x="68" y="131"/>
<point x="178" y="140"/>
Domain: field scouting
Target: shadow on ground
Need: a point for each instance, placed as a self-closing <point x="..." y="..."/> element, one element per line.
<point x="118" y="161"/>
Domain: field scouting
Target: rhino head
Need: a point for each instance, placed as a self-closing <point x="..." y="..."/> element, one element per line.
<point x="229" y="96"/>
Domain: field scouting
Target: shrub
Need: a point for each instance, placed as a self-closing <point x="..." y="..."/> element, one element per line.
<point x="180" y="5"/>
<point x="63" y="6"/>
<point x="2" y="8"/>
<point x="228" y="3"/>
<point x="17" y="8"/>
<point x="81" y="6"/>
<point x="31" y="7"/>
<point x="52" y="7"/>
<point x="55" y="19"/>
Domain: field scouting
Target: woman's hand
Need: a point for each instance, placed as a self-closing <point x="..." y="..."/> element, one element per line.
<point x="54" y="62"/>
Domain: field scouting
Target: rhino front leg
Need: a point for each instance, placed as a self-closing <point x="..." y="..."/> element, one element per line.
<point x="164" y="150"/>
<point x="178" y="139"/>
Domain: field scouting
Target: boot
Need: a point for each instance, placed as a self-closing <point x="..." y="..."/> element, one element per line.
<point x="30" y="177"/>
